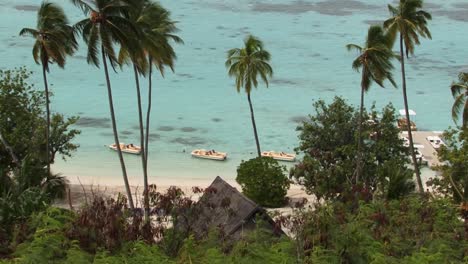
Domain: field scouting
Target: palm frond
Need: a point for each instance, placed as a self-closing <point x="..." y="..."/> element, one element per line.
<point x="29" y="32"/>
<point x="83" y="5"/>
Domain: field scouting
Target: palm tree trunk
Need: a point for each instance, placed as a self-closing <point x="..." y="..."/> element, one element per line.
<point x="148" y="113"/>
<point x="116" y="136"/>
<point x="408" y="121"/>
<point x="7" y="146"/>
<point x="142" y="144"/>
<point x="254" y="126"/>
<point x="361" y="112"/>
<point x="46" y="87"/>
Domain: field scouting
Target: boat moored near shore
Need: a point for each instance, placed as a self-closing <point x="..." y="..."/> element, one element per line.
<point x="279" y="155"/>
<point x="127" y="148"/>
<point x="209" y="154"/>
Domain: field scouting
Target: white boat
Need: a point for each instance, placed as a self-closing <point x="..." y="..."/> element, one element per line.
<point x="127" y="148"/>
<point x="209" y="154"/>
<point x="279" y="155"/>
<point x="401" y="122"/>
<point x="435" y="141"/>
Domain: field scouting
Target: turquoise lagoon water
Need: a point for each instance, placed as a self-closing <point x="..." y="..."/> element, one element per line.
<point x="198" y="106"/>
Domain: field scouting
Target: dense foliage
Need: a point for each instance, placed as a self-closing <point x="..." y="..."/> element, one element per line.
<point x="25" y="184"/>
<point x="454" y="170"/>
<point x="409" y="230"/>
<point x="328" y="141"/>
<point x="264" y="181"/>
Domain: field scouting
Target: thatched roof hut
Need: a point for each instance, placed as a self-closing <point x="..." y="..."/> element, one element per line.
<point x="225" y="208"/>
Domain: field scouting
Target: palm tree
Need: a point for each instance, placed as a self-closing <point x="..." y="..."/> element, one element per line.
<point x="460" y="94"/>
<point x="410" y="21"/>
<point x="104" y="27"/>
<point x="374" y="61"/>
<point x="155" y="28"/>
<point x="146" y="17"/>
<point x="246" y="64"/>
<point x="54" y="41"/>
<point x="159" y="29"/>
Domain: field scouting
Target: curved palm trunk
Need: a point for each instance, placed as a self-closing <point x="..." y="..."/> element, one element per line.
<point x="114" y="128"/>
<point x="143" y="153"/>
<point x="46" y="87"/>
<point x="361" y="112"/>
<point x="408" y="123"/>
<point x="254" y="126"/>
<point x="148" y="113"/>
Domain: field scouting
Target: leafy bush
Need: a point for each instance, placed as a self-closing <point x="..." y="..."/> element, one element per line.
<point x="410" y="230"/>
<point x="328" y="142"/>
<point x="264" y="181"/>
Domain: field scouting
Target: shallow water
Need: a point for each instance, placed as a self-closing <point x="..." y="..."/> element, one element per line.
<point x="198" y="106"/>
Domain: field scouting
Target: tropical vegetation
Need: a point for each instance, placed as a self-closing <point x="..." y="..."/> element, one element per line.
<point x="246" y="65"/>
<point x="26" y="186"/>
<point x="264" y="181"/>
<point x="460" y="94"/>
<point x="105" y="26"/>
<point x="351" y="161"/>
<point x="374" y="61"/>
<point x="409" y="23"/>
<point x="155" y="30"/>
<point x="54" y="42"/>
<point x="327" y="144"/>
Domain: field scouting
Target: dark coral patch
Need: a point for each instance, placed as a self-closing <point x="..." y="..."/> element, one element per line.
<point x="93" y="122"/>
<point x="191" y="141"/>
<point x="188" y="129"/>
<point x="166" y="128"/>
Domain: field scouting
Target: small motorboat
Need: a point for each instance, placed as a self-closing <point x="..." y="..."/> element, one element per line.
<point x="127" y="148"/>
<point x="401" y="122"/>
<point x="435" y="141"/>
<point x="279" y="155"/>
<point x="209" y="154"/>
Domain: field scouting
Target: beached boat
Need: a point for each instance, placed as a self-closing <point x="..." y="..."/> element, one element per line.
<point x="435" y="142"/>
<point x="127" y="148"/>
<point x="401" y="122"/>
<point x="209" y="154"/>
<point x="279" y="155"/>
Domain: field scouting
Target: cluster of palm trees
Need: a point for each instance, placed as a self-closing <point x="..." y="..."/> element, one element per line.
<point x="142" y="29"/>
<point x="144" y="32"/>
<point x="408" y="23"/>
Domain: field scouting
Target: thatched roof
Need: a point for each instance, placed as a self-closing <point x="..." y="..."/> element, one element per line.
<point x="223" y="206"/>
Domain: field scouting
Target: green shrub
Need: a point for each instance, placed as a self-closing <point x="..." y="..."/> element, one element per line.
<point x="264" y="181"/>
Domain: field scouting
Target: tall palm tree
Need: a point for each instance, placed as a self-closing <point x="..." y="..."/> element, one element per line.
<point x="160" y="30"/>
<point x="145" y="16"/>
<point x="105" y="27"/>
<point x="246" y="64"/>
<point x="410" y="21"/>
<point x="460" y="94"/>
<point x="374" y="62"/>
<point x="54" y="42"/>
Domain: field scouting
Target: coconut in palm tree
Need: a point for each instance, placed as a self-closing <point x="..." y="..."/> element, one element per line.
<point x="246" y="64"/>
<point x="409" y="22"/>
<point x="374" y="62"/>
<point x="54" y="41"/>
